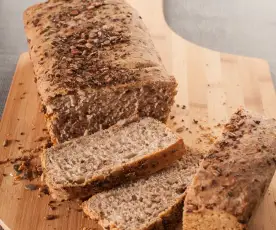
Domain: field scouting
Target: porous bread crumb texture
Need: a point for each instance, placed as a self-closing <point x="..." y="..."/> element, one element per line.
<point x="98" y="60"/>
<point x="212" y="220"/>
<point x="152" y="203"/>
<point x="85" y="114"/>
<point x="236" y="173"/>
<point x="146" y="146"/>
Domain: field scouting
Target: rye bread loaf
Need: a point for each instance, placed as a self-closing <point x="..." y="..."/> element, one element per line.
<point x="147" y="204"/>
<point x="95" y="64"/>
<point x="233" y="178"/>
<point x="87" y="165"/>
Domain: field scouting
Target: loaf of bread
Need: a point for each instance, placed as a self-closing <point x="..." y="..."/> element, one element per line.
<point x="87" y="165"/>
<point x="95" y="64"/>
<point x="233" y="178"/>
<point x="147" y="204"/>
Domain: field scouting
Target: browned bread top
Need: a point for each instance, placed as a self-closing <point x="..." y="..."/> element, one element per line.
<point x="86" y="45"/>
<point x="233" y="178"/>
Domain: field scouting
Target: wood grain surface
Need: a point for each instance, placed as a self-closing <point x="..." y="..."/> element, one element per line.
<point x="211" y="86"/>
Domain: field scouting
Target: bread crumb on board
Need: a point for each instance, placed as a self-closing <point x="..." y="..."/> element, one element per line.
<point x="180" y="130"/>
<point x="26" y="170"/>
<point x="6" y="143"/>
<point x="51" y="217"/>
<point x="195" y="121"/>
<point x="31" y="187"/>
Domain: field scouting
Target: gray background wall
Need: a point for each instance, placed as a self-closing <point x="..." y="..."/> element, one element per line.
<point x="244" y="27"/>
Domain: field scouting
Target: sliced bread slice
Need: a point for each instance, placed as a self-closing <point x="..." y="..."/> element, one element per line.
<point x="87" y="165"/>
<point x="233" y="178"/>
<point x="152" y="203"/>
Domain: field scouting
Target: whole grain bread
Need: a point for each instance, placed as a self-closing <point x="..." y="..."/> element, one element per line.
<point x="152" y="203"/>
<point x="233" y="178"/>
<point x="87" y="165"/>
<point x="95" y="64"/>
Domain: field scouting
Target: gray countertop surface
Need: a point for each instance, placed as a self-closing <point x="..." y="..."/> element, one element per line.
<point x="246" y="27"/>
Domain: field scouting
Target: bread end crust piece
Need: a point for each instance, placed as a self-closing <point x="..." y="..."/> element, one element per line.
<point x="129" y="171"/>
<point x="211" y="220"/>
<point x="95" y="64"/>
<point x="234" y="176"/>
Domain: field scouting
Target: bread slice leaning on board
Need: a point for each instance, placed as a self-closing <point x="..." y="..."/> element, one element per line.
<point x="233" y="178"/>
<point x="95" y="64"/>
<point x="152" y="203"/>
<point x="88" y="165"/>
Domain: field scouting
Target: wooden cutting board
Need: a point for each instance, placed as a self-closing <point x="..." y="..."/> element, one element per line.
<point x="211" y="86"/>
